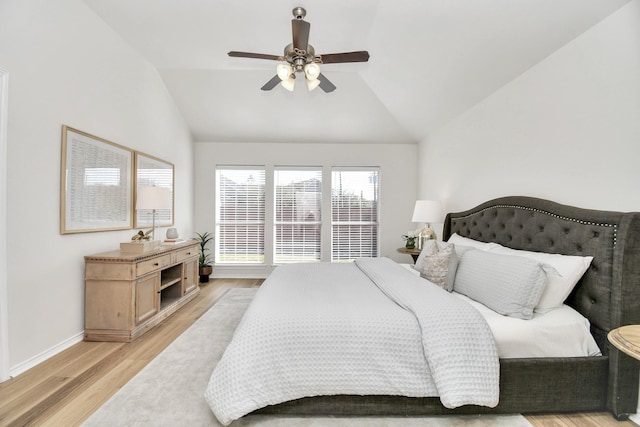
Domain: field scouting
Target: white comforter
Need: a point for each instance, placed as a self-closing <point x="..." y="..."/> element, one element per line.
<point x="327" y="329"/>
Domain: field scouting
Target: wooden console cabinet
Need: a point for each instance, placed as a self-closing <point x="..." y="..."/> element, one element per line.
<point x="127" y="294"/>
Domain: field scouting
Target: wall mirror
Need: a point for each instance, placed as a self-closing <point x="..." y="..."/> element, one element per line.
<point x="153" y="172"/>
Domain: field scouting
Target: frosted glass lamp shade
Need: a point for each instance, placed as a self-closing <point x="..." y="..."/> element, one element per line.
<point x="312" y="70"/>
<point x="284" y="71"/>
<point x="312" y="84"/>
<point x="289" y="83"/>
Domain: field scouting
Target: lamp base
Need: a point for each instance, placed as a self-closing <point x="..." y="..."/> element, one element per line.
<point x="426" y="234"/>
<point x="139" y="247"/>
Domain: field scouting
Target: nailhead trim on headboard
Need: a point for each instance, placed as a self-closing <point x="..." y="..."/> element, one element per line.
<point x="579" y="221"/>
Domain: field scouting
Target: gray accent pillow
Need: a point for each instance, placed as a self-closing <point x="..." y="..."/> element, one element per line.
<point x="509" y="285"/>
<point x="437" y="263"/>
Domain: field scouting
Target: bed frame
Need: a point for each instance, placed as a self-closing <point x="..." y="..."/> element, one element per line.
<point x="608" y="295"/>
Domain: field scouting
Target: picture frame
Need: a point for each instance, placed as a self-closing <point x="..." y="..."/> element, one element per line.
<point x="154" y="172"/>
<point x="96" y="184"/>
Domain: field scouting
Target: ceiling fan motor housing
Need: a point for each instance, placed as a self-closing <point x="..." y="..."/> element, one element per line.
<point x="299" y="58"/>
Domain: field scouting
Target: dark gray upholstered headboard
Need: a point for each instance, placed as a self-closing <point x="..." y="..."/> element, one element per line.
<point x="609" y="292"/>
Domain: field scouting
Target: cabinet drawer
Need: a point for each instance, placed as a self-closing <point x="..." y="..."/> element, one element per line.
<point x="186" y="253"/>
<point x="153" y="264"/>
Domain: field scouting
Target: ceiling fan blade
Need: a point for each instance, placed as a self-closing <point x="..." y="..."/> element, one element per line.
<point x="271" y="83"/>
<point x="335" y="58"/>
<point x="236" y="54"/>
<point x="300" y="30"/>
<point x="325" y="84"/>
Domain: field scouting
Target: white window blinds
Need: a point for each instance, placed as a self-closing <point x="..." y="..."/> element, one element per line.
<point x="354" y="213"/>
<point x="297" y="219"/>
<point x="240" y="219"/>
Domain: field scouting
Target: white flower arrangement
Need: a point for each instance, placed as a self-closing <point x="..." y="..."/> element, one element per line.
<point x="411" y="235"/>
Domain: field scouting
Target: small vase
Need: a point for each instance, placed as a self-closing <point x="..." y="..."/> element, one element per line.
<point x="411" y="244"/>
<point x="172" y="233"/>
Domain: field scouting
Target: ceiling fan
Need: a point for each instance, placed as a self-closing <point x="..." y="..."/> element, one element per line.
<point x="300" y="57"/>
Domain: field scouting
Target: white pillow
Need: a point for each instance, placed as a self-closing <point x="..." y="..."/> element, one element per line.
<point x="437" y="263"/>
<point x="509" y="285"/>
<point x="570" y="269"/>
<point x="462" y="243"/>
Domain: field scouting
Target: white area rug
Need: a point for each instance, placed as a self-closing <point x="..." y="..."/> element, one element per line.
<point x="169" y="390"/>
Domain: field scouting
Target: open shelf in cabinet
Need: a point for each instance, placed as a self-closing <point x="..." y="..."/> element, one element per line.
<point x="170" y="276"/>
<point x="169" y="295"/>
<point x="170" y="285"/>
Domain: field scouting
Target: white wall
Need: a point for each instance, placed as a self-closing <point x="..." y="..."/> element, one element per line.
<point x="398" y="182"/>
<point x="68" y="67"/>
<point x="567" y="130"/>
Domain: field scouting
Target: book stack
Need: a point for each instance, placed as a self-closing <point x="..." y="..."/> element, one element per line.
<point x="173" y="241"/>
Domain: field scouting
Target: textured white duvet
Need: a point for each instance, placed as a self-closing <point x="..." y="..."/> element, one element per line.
<point x="327" y="329"/>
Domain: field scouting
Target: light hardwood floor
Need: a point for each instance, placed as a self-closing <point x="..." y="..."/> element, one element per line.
<point x="66" y="389"/>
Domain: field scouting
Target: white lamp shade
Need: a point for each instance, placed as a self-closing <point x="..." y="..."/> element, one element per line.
<point x="427" y="211"/>
<point x="153" y="198"/>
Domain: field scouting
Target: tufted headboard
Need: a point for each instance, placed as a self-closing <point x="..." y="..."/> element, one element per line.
<point x="609" y="292"/>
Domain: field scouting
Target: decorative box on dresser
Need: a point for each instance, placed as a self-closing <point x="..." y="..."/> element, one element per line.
<point x="126" y="294"/>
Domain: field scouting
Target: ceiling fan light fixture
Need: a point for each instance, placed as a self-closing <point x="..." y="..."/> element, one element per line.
<point x="312" y="71"/>
<point x="284" y="71"/>
<point x="300" y="57"/>
<point x="312" y="84"/>
<point x="289" y="83"/>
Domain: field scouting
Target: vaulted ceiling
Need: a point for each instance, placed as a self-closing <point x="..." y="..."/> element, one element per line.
<point x="431" y="60"/>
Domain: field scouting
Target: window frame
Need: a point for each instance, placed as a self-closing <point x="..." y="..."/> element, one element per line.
<point x="219" y="222"/>
<point x="279" y="258"/>
<point x="374" y="250"/>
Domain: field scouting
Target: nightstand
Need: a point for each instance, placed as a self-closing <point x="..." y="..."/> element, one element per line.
<point x="626" y="339"/>
<point x="413" y="252"/>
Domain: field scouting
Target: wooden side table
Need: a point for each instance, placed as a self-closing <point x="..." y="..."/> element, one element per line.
<point x="626" y="339"/>
<point x="413" y="252"/>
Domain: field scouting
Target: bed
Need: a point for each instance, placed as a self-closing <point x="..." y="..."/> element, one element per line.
<point x="608" y="296"/>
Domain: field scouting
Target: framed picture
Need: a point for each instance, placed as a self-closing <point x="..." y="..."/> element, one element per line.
<point x="153" y="172"/>
<point x="96" y="184"/>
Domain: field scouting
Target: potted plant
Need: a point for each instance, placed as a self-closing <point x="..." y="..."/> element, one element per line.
<point x="410" y="239"/>
<point x="204" y="261"/>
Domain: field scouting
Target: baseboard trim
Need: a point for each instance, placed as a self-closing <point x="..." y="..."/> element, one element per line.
<point x="18" y="369"/>
<point x="241" y="271"/>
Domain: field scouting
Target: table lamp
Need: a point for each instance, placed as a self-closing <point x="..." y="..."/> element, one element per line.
<point x="427" y="212"/>
<point x="153" y="198"/>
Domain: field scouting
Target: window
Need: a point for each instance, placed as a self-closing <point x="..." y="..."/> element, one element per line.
<point x="283" y="222"/>
<point x="298" y="212"/>
<point x="240" y="220"/>
<point x="354" y="213"/>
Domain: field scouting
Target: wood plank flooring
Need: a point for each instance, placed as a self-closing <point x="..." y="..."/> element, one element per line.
<point x="69" y="387"/>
